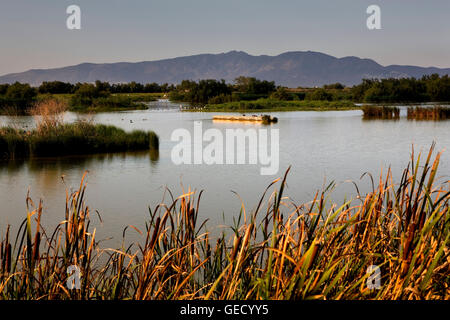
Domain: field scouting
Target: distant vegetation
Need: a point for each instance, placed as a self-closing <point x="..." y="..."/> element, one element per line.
<point x="428" y="88"/>
<point x="105" y="97"/>
<point x="249" y="93"/>
<point x="20" y="98"/>
<point x="200" y="93"/>
<point x="89" y="97"/>
<point x="212" y="92"/>
<point x="58" y="87"/>
<point x="280" y="105"/>
<point x="16" y="98"/>
<point x="217" y="94"/>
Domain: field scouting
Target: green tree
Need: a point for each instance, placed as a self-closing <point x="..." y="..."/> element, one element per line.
<point x="337" y="86"/>
<point x="20" y="96"/>
<point x="55" y="87"/>
<point x="86" y="94"/>
<point x="252" y="85"/>
<point x="3" y="88"/>
<point x="319" y="94"/>
<point x="281" y="94"/>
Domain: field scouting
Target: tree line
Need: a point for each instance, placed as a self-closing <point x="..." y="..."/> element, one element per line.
<point x="59" y="87"/>
<point x="218" y="91"/>
<point x="20" y="96"/>
<point x="428" y="88"/>
<point x="432" y="88"/>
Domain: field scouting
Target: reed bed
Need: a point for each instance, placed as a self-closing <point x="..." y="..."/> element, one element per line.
<point x="429" y="113"/>
<point x="380" y="112"/>
<point x="73" y="139"/>
<point x="280" y="250"/>
<point x="53" y="137"/>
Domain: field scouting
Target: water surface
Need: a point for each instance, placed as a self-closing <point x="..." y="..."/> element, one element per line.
<point x="320" y="147"/>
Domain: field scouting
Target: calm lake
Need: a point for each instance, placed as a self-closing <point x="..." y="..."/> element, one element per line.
<point x="320" y="146"/>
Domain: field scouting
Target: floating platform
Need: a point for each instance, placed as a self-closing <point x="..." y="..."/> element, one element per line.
<point x="264" y="118"/>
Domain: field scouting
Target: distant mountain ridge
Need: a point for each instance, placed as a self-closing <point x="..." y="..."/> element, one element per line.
<point x="292" y="69"/>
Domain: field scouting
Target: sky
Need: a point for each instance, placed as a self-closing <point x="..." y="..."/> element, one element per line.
<point x="33" y="34"/>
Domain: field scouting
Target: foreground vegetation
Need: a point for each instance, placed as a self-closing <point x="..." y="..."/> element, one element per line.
<point x="280" y="250"/>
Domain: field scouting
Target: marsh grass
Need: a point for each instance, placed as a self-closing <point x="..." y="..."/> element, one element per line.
<point x="73" y="139"/>
<point x="48" y="114"/>
<point x="380" y="112"/>
<point x="53" y="137"/>
<point x="280" y="250"/>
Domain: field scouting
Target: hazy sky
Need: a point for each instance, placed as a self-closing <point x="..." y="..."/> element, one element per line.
<point x="33" y="34"/>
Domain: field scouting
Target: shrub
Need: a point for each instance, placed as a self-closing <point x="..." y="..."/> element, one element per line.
<point x="18" y="96"/>
<point x="319" y="95"/>
<point x="85" y="95"/>
<point x="281" y="94"/>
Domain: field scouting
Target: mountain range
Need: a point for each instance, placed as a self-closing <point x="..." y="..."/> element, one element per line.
<point x="292" y="69"/>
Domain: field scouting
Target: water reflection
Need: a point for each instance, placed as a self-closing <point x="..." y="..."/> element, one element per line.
<point x="154" y="156"/>
<point x="60" y="164"/>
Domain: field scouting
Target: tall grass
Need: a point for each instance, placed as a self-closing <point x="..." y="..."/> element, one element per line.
<point x="280" y="250"/>
<point x="48" y="114"/>
<point x="73" y="139"/>
<point x="53" y="137"/>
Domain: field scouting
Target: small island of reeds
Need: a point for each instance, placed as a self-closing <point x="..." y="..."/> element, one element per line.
<point x="53" y="137"/>
<point x="428" y="113"/>
<point x="380" y="112"/>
